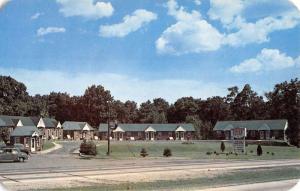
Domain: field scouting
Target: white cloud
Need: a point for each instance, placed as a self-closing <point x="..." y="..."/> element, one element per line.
<point x="86" y="8"/>
<point x="36" y="16"/>
<point x="3" y="3"/>
<point x="197" y="2"/>
<point x="44" y="31"/>
<point x="225" y="11"/>
<point x="121" y="86"/>
<point x="130" y="24"/>
<point x="297" y="61"/>
<point x="259" y="31"/>
<point x="266" y="60"/>
<point x="189" y="34"/>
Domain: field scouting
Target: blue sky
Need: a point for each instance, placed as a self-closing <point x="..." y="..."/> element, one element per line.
<point x="144" y="49"/>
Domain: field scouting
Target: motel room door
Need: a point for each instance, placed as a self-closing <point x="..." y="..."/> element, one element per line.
<point x="33" y="145"/>
<point x="180" y="135"/>
<point x="150" y="135"/>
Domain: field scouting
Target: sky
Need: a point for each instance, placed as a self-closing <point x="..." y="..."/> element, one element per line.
<point x="144" y="49"/>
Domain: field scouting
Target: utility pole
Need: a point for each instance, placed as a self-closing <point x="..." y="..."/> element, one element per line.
<point x="108" y="130"/>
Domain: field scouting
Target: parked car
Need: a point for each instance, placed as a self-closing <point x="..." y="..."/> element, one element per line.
<point x="12" y="154"/>
<point x="22" y="148"/>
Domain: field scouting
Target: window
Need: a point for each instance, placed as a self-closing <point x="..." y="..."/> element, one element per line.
<point x="128" y="133"/>
<point x="159" y="134"/>
<point x="252" y="133"/>
<point x="17" y="139"/>
<point x="27" y="141"/>
<point x="170" y="134"/>
<point x="139" y="134"/>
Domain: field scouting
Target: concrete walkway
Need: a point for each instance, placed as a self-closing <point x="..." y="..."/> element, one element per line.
<point x="56" y="146"/>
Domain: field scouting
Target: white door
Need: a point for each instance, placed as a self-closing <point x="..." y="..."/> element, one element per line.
<point x="33" y="145"/>
<point x="152" y="136"/>
<point x="147" y="136"/>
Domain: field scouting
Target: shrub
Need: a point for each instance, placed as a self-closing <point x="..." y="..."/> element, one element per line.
<point x="208" y="153"/>
<point x="88" y="148"/>
<point x="143" y="152"/>
<point x="259" y="150"/>
<point x="268" y="152"/>
<point x="273" y="154"/>
<point x="222" y="147"/>
<point x="251" y="151"/>
<point x="167" y="152"/>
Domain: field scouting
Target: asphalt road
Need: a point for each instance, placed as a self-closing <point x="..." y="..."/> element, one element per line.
<point x="62" y="169"/>
<point x="283" y="185"/>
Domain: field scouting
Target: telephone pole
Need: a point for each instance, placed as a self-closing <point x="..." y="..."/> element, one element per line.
<point x="108" y="130"/>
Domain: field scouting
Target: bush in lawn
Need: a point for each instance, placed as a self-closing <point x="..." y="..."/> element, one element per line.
<point x="208" y="153"/>
<point x="88" y="148"/>
<point x="143" y="152"/>
<point x="259" y="150"/>
<point x="222" y="147"/>
<point x="167" y="152"/>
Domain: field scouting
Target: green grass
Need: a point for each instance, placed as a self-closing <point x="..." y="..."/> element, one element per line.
<point x="48" y="145"/>
<point x="235" y="177"/>
<point x="198" y="150"/>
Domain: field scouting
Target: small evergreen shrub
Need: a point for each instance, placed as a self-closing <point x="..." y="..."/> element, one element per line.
<point x="222" y="147"/>
<point x="251" y="151"/>
<point x="259" y="150"/>
<point x="208" y="153"/>
<point x="88" y="148"/>
<point x="167" y="152"/>
<point x="143" y="152"/>
<point x="273" y="154"/>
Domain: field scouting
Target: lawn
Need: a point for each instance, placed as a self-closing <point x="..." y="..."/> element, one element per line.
<point x="234" y="177"/>
<point x="48" y="145"/>
<point x="197" y="150"/>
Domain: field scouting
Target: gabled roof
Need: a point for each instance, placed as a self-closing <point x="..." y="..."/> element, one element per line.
<point x="50" y="122"/>
<point x="26" y="121"/>
<point x="144" y="126"/>
<point x="75" y="126"/>
<point x="278" y="124"/>
<point x="8" y="121"/>
<point x="24" y="131"/>
<point x="2" y="123"/>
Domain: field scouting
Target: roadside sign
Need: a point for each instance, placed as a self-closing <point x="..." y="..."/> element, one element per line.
<point x="238" y="139"/>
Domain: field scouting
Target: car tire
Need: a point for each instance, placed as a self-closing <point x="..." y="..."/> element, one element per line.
<point x="21" y="159"/>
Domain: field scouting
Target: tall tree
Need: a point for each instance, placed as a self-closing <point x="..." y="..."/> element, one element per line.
<point x="13" y="97"/>
<point x="247" y="104"/>
<point x="284" y="103"/>
<point x="95" y="103"/>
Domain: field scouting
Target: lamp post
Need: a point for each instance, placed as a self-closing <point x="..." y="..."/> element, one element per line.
<point x="108" y="129"/>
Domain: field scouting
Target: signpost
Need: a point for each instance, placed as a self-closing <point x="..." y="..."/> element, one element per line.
<point x="238" y="139"/>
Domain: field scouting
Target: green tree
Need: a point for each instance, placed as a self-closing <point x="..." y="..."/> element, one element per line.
<point x="284" y="103"/>
<point x="13" y="97"/>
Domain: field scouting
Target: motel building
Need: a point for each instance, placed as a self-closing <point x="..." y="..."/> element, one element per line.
<point x="256" y="129"/>
<point x="74" y="130"/>
<point x="29" y="136"/>
<point x="148" y="132"/>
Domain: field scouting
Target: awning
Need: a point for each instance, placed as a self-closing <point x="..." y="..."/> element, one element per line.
<point x="118" y="129"/>
<point x="150" y="129"/>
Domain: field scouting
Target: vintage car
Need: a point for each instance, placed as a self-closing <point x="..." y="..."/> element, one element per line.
<point x="12" y="154"/>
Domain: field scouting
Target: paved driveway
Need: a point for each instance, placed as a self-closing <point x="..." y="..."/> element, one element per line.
<point x="67" y="147"/>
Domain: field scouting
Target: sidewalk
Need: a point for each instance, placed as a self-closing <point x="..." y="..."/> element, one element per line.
<point x="57" y="146"/>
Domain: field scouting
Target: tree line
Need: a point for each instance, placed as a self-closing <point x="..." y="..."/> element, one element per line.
<point x="283" y="102"/>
